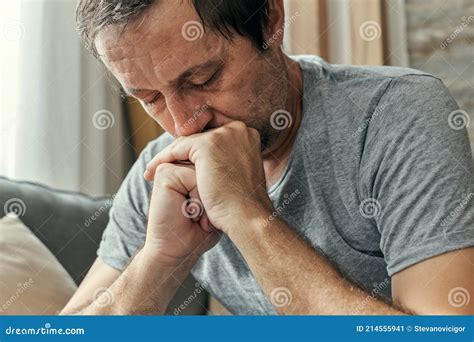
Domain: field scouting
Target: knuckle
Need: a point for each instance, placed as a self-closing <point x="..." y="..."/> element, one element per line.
<point x="179" y="139"/>
<point x="162" y="170"/>
<point x="164" y="177"/>
<point x="214" y="138"/>
<point x="239" y="125"/>
<point x="165" y="183"/>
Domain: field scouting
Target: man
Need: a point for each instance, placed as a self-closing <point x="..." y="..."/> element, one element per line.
<point x="285" y="185"/>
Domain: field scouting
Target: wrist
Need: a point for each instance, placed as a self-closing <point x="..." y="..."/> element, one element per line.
<point x="148" y="284"/>
<point x="250" y="220"/>
<point x="158" y="258"/>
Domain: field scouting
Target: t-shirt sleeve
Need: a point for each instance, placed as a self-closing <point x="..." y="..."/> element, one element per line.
<point x="126" y="230"/>
<point x="420" y="172"/>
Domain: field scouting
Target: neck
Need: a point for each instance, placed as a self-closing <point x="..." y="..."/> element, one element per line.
<point x="281" y="148"/>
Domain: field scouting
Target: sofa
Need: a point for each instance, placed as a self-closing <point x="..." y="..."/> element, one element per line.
<point x="61" y="220"/>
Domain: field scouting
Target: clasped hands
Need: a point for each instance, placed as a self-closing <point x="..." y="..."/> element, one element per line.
<point x="219" y="190"/>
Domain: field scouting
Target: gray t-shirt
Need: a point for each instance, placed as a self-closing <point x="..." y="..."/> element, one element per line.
<point x="380" y="178"/>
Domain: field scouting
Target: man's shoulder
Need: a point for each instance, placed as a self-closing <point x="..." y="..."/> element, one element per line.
<point x="354" y="72"/>
<point x="346" y="72"/>
<point x="361" y="83"/>
<point x="352" y="92"/>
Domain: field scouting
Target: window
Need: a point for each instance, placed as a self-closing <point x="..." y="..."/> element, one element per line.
<point x="11" y="33"/>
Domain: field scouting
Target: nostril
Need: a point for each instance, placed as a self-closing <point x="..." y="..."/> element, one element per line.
<point x="208" y="127"/>
<point x="208" y="121"/>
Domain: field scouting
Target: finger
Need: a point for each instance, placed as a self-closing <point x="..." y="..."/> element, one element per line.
<point x="182" y="149"/>
<point x="204" y="223"/>
<point x="179" y="151"/>
<point x="179" y="178"/>
<point x="150" y="176"/>
<point x="194" y="205"/>
<point x="186" y="163"/>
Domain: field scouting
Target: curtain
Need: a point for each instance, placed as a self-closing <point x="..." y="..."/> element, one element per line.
<point x="371" y="32"/>
<point x="396" y="47"/>
<point x="305" y="26"/>
<point x="67" y="129"/>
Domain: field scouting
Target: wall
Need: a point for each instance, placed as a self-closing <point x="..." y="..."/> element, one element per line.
<point x="441" y="42"/>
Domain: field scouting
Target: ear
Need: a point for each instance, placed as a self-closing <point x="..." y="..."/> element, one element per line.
<point x="276" y="24"/>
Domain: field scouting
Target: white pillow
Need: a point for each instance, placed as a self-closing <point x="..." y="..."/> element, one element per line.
<point x="32" y="281"/>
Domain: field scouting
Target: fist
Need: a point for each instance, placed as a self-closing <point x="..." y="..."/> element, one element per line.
<point x="229" y="172"/>
<point x="177" y="223"/>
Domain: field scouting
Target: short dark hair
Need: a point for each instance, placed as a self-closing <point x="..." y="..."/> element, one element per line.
<point x="248" y="18"/>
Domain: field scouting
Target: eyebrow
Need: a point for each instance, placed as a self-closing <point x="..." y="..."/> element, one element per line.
<point x="213" y="63"/>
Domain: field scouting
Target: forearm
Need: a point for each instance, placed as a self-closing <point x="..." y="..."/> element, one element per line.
<point x="279" y="258"/>
<point x="145" y="287"/>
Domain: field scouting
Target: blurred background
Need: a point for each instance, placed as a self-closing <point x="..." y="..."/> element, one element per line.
<point x="65" y="123"/>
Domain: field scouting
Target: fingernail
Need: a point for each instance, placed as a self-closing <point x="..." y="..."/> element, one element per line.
<point x="147" y="174"/>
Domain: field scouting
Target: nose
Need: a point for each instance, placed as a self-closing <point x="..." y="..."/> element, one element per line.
<point x="190" y="116"/>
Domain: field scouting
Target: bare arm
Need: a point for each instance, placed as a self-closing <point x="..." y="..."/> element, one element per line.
<point x="440" y="285"/>
<point x="145" y="287"/>
<point x="296" y="278"/>
<point x="99" y="276"/>
<point x="285" y="265"/>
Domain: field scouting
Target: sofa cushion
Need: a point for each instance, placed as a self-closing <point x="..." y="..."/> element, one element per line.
<point x="69" y="224"/>
<point x="32" y="281"/>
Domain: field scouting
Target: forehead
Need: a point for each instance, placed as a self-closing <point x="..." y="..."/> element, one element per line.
<point x="164" y="40"/>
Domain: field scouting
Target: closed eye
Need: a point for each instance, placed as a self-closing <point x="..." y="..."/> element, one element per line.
<point x="208" y="83"/>
<point x="202" y="86"/>
<point x="153" y="100"/>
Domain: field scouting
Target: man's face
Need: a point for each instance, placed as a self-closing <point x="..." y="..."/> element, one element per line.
<point x="191" y="85"/>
